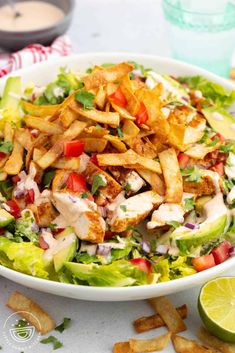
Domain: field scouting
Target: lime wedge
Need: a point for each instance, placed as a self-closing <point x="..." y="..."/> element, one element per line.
<point x="216" y="305"/>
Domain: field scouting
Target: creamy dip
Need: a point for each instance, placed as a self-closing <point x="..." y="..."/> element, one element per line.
<point x="34" y="15"/>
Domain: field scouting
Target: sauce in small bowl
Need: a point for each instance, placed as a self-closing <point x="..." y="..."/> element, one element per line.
<point x="40" y="21"/>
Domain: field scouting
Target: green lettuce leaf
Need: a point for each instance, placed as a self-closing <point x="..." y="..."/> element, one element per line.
<point x="172" y="269"/>
<point x="23" y="257"/>
<point x="118" y="274"/>
<point x="24" y="226"/>
<point x="210" y="90"/>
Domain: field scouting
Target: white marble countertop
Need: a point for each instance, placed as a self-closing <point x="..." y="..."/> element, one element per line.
<point x="104" y="25"/>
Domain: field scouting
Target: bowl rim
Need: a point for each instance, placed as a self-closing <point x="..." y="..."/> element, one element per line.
<point x="46" y="29"/>
<point x="134" y="292"/>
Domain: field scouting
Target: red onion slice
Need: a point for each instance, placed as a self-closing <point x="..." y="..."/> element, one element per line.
<point x="192" y="226"/>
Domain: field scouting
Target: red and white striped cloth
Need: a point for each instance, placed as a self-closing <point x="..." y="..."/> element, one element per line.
<point x="34" y="53"/>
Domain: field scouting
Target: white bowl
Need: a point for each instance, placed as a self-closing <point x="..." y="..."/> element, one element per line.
<point x="45" y="72"/>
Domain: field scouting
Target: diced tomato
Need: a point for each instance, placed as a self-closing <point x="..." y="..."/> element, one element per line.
<point x="219" y="168"/>
<point x="118" y="98"/>
<point x="76" y="182"/>
<point x="142" y="115"/>
<point x="222" y="139"/>
<point x="15" y="179"/>
<point x="73" y="148"/>
<point x="2" y="231"/>
<point x="183" y="160"/>
<point x="29" y="196"/>
<point x="2" y="155"/>
<point x="202" y="263"/>
<point x="108" y="235"/>
<point x="14" y="208"/>
<point x="57" y="231"/>
<point x="143" y="264"/>
<point x="42" y="243"/>
<point x="94" y="160"/>
<point x="221" y="252"/>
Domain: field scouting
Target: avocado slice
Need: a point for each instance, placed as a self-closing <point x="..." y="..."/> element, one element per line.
<point x="215" y="224"/>
<point x="5" y="218"/>
<point x="221" y="121"/>
<point x="12" y="87"/>
<point x="67" y="252"/>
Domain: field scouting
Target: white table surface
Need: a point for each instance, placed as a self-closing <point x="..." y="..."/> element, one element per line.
<point x="105" y="25"/>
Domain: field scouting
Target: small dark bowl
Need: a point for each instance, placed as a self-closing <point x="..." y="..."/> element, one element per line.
<point x="17" y="40"/>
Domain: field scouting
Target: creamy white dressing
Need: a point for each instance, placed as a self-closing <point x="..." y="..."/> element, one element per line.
<point x="231" y="196"/>
<point x="232" y="127"/>
<point x="134" y="206"/>
<point x="166" y="112"/>
<point x="230" y="166"/>
<point x="116" y="202"/>
<point x="90" y="249"/>
<point x="27" y="183"/>
<point x="103" y="178"/>
<point x="215" y="178"/>
<point x="217" y="116"/>
<point x="215" y="208"/>
<point x="56" y="245"/>
<point x="135" y="181"/>
<point x="198" y="94"/>
<point x="34" y="15"/>
<point x="58" y="92"/>
<point x="167" y="212"/>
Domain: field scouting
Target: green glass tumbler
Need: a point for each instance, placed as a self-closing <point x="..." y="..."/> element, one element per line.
<point x="202" y="32"/>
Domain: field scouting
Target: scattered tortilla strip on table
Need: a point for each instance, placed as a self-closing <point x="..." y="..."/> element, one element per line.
<point x="147" y="323"/>
<point x="122" y="347"/>
<point x="169" y="314"/>
<point x="185" y="345"/>
<point x="32" y="312"/>
<point x="173" y="178"/>
<point x="209" y="340"/>
<point x="150" y="345"/>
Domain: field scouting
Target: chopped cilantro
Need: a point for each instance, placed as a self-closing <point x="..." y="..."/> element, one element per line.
<point x="89" y="70"/>
<point x="85" y="195"/>
<point x="52" y="226"/>
<point x="174" y="224"/>
<point x="65" y="324"/>
<point x="6" y="188"/>
<point x="140" y="67"/>
<point x="227" y="185"/>
<point x="134" y="229"/>
<point x="119" y="131"/>
<point x="86" y="98"/>
<point x="189" y="204"/>
<point x="97" y="183"/>
<point x="192" y="173"/>
<point x="173" y="104"/>
<point x="47" y="178"/>
<point x="98" y="127"/>
<point x="51" y="339"/>
<point x="107" y="65"/>
<point x="6" y="147"/>
<point x="127" y="187"/>
<point x="123" y="208"/>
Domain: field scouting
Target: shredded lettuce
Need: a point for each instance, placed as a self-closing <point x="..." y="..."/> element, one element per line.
<point x="24" y="226"/>
<point x="210" y="90"/>
<point x="23" y="257"/>
<point x="174" y="268"/>
<point x="118" y="274"/>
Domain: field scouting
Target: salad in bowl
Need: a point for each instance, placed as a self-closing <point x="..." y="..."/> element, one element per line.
<point x="119" y="176"/>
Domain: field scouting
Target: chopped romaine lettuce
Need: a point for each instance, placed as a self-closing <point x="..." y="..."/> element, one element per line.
<point x="25" y="226"/>
<point x="174" y="268"/>
<point x="23" y="257"/>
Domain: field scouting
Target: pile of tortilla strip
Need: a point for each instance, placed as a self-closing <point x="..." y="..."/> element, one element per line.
<point x="120" y="138"/>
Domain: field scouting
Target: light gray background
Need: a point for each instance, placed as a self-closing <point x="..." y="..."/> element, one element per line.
<point x="105" y="25"/>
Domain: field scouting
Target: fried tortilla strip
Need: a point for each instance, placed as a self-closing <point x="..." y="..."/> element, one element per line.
<point x="14" y="164"/>
<point x="129" y="159"/>
<point x="172" y="175"/>
<point x="154" y="180"/>
<point x="199" y="151"/>
<point x="147" y="323"/>
<point x="69" y="114"/>
<point x="103" y="76"/>
<point x="209" y="340"/>
<point x="130" y="130"/>
<point x="94" y="144"/>
<point x="133" y="104"/>
<point x="116" y="143"/>
<point x="62" y="106"/>
<point x="122" y="347"/>
<point x="32" y="312"/>
<point x="111" y="190"/>
<point x="24" y="137"/>
<point x="205" y="186"/>
<point x="57" y="149"/>
<point x="8" y="132"/>
<point x="100" y="117"/>
<point x="150" y="345"/>
<point x="124" y="114"/>
<point x="168" y="313"/>
<point x="72" y="163"/>
<point x="41" y="111"/>
<point x="100" y="98"/>
<point x="184" y="345"/>
<point x="94" y="131"/>
<point x="3" y="176"/>
<point x="43" y="125"/>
